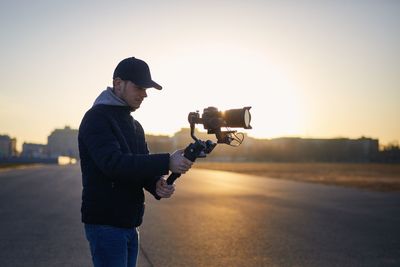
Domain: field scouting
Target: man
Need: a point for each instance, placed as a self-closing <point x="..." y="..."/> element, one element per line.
<point x="116" y="166"/>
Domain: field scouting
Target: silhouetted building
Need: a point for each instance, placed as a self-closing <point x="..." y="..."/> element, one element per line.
<point x="63" y="142"/>
<point x="325" y="150"/>
<point x="159" y="143"/>
<point x="30" y="150"/>
<point x="8" y="146"/>
<point x="278" y="149"/>
<point x="390" y="154"/>
<point x="182" y="138"/>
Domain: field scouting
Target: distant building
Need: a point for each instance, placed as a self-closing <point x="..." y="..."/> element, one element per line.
<point x="63" y="142"/>
<point x="159" y="143"/>
<point x="182" y="138"/>
<point x="286" y="149"/>
<point x="325" y="150"/>
<point x="30" y="150"/>
<point x="390" y="154"/>
<point x="8" y="146"/>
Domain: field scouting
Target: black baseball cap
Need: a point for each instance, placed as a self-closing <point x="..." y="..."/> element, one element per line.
<point x="137" y="71"/>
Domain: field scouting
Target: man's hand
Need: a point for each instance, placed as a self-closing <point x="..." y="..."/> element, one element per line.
<point x="163" y="189"/>
<point x="178" y="163"/>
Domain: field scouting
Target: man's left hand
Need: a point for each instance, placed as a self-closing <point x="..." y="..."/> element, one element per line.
<point x="163" y="189"/>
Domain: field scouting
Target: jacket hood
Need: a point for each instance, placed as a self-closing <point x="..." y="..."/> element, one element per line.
<point x="107" y="97"/>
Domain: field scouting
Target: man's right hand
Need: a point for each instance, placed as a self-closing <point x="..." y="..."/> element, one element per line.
<point x="178" y="163"/>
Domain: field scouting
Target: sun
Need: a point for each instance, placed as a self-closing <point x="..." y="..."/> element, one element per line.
<point x="228" y="77"/>
<point x="278" y="109"/>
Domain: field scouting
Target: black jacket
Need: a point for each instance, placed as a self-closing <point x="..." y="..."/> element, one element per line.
<point x="116" y="166"/>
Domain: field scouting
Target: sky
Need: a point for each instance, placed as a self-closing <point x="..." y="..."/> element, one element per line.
<point x="312" y="69"/>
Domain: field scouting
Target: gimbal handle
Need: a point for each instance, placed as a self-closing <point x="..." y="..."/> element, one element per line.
<point x="192" y="152"/>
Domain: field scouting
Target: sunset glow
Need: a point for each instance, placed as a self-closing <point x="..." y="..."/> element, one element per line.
<point x="308" y="69"/>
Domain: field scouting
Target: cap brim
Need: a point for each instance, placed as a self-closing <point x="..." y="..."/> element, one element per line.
<point x="156" y="85"/>
<point x="151" y="84"/>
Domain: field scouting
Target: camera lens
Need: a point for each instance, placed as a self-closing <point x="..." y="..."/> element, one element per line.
<point x="247" y="119"/>
<point x="239" y="118"/>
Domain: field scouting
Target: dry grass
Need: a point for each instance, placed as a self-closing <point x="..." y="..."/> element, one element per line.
<point x="14" y="165"/>
<point x="377" y="177"/>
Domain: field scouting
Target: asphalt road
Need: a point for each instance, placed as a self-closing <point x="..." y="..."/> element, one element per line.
<point x="214" y="219"/>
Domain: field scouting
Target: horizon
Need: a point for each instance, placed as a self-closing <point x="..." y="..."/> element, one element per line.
<point x="19" y="143"/>
<point x="309" y="69"/>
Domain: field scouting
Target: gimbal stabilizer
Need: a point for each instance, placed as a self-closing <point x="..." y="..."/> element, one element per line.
<point x="213" y="120"/>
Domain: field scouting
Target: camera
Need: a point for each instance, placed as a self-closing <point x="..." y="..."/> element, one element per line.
<point x="213" y="119"/>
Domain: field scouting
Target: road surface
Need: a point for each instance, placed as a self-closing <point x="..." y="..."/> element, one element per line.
<point x="214" y="219"/>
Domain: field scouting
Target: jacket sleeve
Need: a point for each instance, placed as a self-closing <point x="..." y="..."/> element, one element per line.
<point x="150" y="183"/>
<point x="97" y="136"/>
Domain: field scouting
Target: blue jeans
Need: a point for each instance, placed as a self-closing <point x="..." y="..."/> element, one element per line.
<point x="112" y="246"/>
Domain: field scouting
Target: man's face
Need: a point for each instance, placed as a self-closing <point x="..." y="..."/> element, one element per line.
<point x="132" y="94"/>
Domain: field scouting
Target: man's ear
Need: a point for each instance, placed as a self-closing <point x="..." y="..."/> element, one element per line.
<point x="116" y="82"/>
<point x="117" y="86"/>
